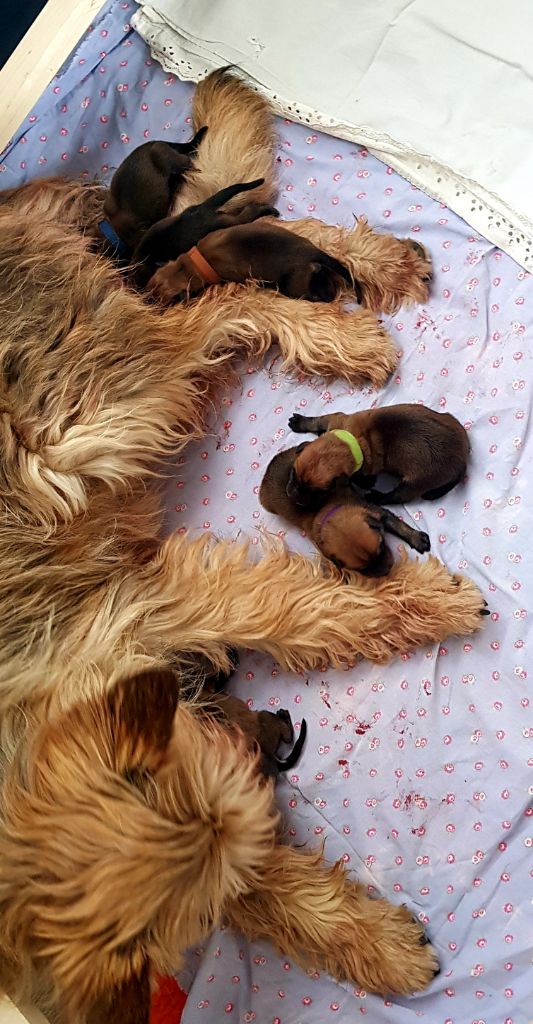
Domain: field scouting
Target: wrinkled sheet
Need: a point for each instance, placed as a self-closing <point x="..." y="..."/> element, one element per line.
<point x="416" y="774"/>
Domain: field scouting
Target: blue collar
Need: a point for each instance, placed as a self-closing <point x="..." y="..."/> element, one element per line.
<point x="120" y="249"/>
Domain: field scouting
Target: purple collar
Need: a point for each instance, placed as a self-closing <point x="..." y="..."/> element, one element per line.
<point x="327" y="515"/>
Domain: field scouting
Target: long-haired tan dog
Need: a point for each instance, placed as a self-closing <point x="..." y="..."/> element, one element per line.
<point x="129" y="826"/>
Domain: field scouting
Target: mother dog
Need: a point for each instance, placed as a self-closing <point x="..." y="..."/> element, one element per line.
<point x="130" y="827"/>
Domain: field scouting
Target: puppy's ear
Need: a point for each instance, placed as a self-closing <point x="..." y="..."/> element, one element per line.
<point x="322" y="284"/>
<point x="292" y="484"/>
<point x="301" y="447"/>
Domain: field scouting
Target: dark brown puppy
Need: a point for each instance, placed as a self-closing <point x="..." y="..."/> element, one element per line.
<point x="143" y="187"/>
<point x="169" y="238"/>
<point x="427" y="450"/>
<point x="261" y="728"/>
<point x="262" y="252"/>
<point x="345" y="527"/>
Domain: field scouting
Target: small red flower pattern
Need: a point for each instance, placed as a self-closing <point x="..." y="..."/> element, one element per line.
<point x="417" y="775"/>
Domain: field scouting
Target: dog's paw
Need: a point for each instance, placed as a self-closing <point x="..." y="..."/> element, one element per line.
<point x="427" y="270"/>
<point x="416" y="960"/>
<point x="287" y="730"/>
<point x="298" y="423"/>
<point x="422" y="543"/>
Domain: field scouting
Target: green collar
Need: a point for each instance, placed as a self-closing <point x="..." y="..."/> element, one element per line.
<point x="353" y="445"/>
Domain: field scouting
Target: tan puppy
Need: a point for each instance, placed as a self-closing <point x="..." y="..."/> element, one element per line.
<point x="427" y="450"/>
<point x="345" y="528"/>
<point x="260" y="251"/>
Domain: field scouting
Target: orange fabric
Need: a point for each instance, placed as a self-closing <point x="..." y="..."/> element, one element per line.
<point x="203" y="267"/>
<point x="168" y="1002"/>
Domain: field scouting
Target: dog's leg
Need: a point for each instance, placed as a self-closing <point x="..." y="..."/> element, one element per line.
<point x="315" y="914"/>
<point x="205" y="595"/>
<point x="325" y="340"/>
<point x="391" y="271"/>
<point x="322" y="339"/>
<point x="415" y="538"/>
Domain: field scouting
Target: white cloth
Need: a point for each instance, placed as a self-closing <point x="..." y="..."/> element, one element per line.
<point x="441" y="92"/>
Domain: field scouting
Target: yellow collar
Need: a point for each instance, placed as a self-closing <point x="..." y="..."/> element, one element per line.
<point x="353" y="445"/>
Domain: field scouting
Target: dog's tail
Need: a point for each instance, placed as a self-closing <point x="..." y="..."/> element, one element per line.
<point x="338" y="268"/>
<point x="239" y="144"/>
<point x="136" y="824"/>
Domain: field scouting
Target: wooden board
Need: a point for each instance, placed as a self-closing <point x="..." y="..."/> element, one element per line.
<point x="39" y="55"/>
<point x="9" y="1014"/>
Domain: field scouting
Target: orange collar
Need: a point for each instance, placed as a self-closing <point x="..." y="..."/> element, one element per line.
<point x="205" y="270"/>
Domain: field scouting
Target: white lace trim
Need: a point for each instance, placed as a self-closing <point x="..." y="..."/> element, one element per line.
<point x="487" y="214"/>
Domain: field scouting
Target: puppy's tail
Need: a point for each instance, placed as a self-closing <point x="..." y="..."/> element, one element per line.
<point x="239" y="144"/>
<point x="338" y="268"/>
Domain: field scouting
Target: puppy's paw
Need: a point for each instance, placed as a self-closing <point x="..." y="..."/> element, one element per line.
<point x="422" y="543"/>
<point x="287" y="730"/>
<point x="268" y="211"/>
<point x="254" y="210"/>
<point x="298" y="423"/>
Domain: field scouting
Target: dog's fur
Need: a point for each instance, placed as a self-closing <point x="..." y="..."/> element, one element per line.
<point x="263" y="252"/>
<point x="128" y="825"/>
<point x="144" y="186"/>
<point x="172" y="236"/>
<point x="346" y="528"/>
<point x="426" y="450"/>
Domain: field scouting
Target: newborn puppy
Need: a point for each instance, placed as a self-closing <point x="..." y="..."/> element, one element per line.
<point x="143" y="187"/>
<point x="261" y="728"/>
<point x="172" y="236"/>
<point x="262" y="252"/>
<point x="345" y="527"/>
<point x="427" y="450"/>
